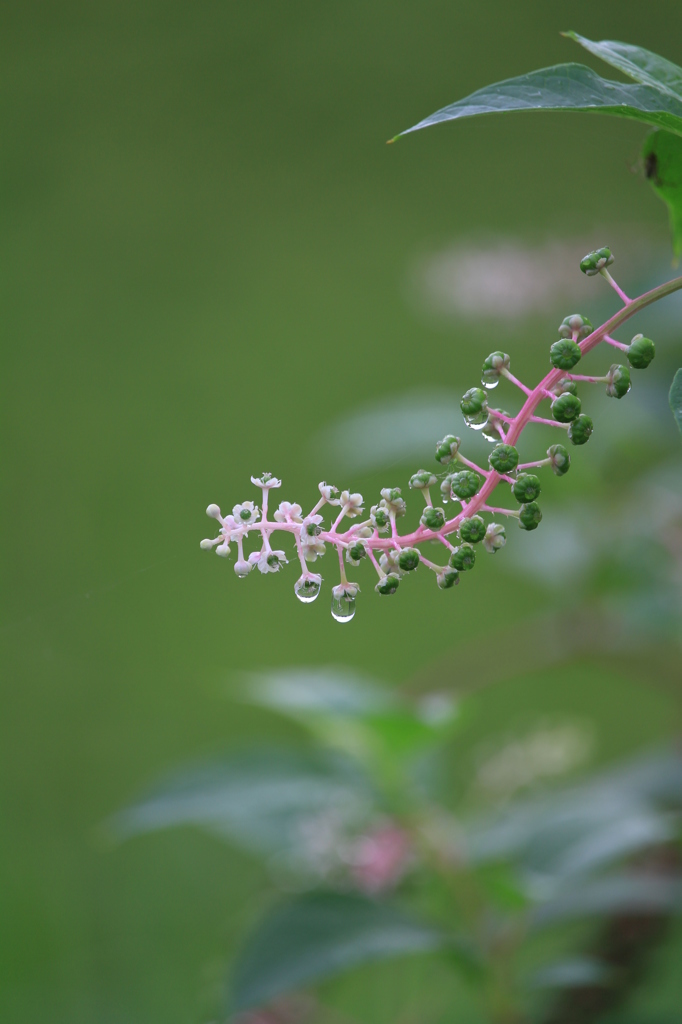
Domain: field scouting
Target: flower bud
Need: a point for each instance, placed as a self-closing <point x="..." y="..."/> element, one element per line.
<point x="559" y="458"/>
<point x="463" y="558"/>
<point x="432" y="517"/>
<point x="495" y="537"/>
<point x="566" y="407"/>
<point x="408" y="559"/>
<point x="207" y="544"/>
<point x="530" y="516"/>
<point x="580" y="430"/>
<point x="422" y="479"/>
<point x="576" y="323"/>
<point x="596" y="261"/>
<point x="223" y="549"/>
<point x="526" y="487"/>
<point x="380" y="517"/>
<point x="447" y="578"/>
<point x="472" y="530"/>
<point x="392" y="501"/>
<point x="465" y="483"/>
<point x="503" y="458"/>
<point x="640" y="352"/>
<point x="493" y="366"/>
<point x="242" y="568"/>
<point x="564" y="354"/>
<point x="447" y="449"/>
<point x="355" y="553"/>
<point x="213" y="512"/>
<point x="474" y="406"/>
<point x="388" y="584"/>
<point x="618" y="381"/>
<point x="563" y="385"/>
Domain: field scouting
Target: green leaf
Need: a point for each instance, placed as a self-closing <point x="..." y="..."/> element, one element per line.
<point x="567" y="87"/>
<point x="642" y="65"/>
<point x="302" y="692"/>
<point x="573" y="973"/>
<point x="319" y="935"/>
<point x="675" y="398"/>
<point x="617" y="894"/>
<point x="662" y="156"/>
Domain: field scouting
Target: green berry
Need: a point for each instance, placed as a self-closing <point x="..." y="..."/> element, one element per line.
<point x="530" y="516"/>
<point x="564" y="354"/>
<point x="379" y="517"/>
<point x="640" y="352"/>
<point x="465" y="483"/>
<point x="388" y="584"/>
<point x="526" y="488"/>
<point x="472" y="530"/>
<point x="463" y="558"/>
<point x="422" y="479"/>
<point x="559" y="458"/>
<point x="596" y="261"/>
<point x="432" y="517"/>
<point x="504" y="458"/>
<point x="447" y="578"/>
<point x="355" y="552"/>
<point x="493" y="366"/>
<point x="447" y="449"/>
<point x="474" y="406"/>
<point x="408" y="559"/>
<point x="580" y="430"/>
<point x="566" y="407"/>
<point x="618" y="382"/>
<point x="577" y="324"/>
<point x="564" y="385"/>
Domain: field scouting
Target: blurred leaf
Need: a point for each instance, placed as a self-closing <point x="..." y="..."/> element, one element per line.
<point x="263" y="800"/>
<point x="618" y="894"/>
<point x="567" y="87"/>
<point x="322" y="934"/>
<point x="572" y="973"/>
<point x="503" y="886"/>
<point x="675" y="398"/>
<point x="662" y="156"/>
<point x="635" y="62"/>
<point x="299" y="692"/>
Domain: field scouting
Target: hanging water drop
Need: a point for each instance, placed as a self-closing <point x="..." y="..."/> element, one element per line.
<point x="307" y="589"/>
<point x="490" y="384"/>
<point x="475" y="422"/>
<point x="343" y="608"/>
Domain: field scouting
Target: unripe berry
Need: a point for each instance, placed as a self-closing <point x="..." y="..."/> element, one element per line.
<point x="504" y="458"/>
<point x="493" y="366"/>
<point x="432" y="517"/>
<point x="526" y="487"/>
<point x="559" y="458"/>
<point x="580" y="430"/>
<point x="447" y="578"/>
<point x="618" y="383"/>
<point x="566" y="407"/>
<point x="474" y="406"/>
<point x="388" y="584"/>
<point x="640" y="352"/>
<point x="379" y="517"/>
<point x="530" y="516"/>
<point x="596" y="261"/>
<point x="472" y="530"/>
<point x="565" y="385"/>
<point x="564" y="354"/>
<point x="408" y="559"/>
<point x="463" y="558"/>
<point x="447" y="449"/>
<point x="575" y="323"/>
<point x="465" y="483"/>
<point x="422" y="479"/>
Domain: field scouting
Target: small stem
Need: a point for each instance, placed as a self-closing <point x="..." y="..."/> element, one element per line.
<point x="616" y="344"/>
<point x="500" y="511"/>
<point x="431" y="565"/>
<point x="370" y="555"/>
<point x="548" y="423"/>
<point x="313" y="511"/>
<point x="339" y="549"/>
<point x="619" y="291"/>
<point x="471" y="465"/>
<point x="589" y="380"/>
<point x="515" y="380"/>
<point x="532" y="465"/>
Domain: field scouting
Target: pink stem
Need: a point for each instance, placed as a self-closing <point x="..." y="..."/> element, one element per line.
<point x="515" y="380"/>
<point x="548" y="423"/>
<point x="619" y="291"/>
<point x="616" y="344"/>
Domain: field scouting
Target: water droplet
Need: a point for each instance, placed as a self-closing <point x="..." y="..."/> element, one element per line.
<point x="343" y="608"/>
<point x="490" y="384"/>
<point x="471" y="421"/>
<point x="307" y="590"/>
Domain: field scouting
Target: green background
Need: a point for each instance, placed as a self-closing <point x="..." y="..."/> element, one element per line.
<point x="207" y="253"/>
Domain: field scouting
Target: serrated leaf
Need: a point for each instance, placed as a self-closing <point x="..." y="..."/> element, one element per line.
<point x="567" y="87"/>
<point x="675" y="398"/>
<point x="642" y="65"/>
<point x="662" y="156"/>
<point x="319" y="935"/>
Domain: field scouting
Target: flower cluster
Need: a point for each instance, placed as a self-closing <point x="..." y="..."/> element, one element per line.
<point x="474" y="522"/>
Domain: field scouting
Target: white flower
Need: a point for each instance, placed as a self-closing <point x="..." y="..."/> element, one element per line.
<point x="351" y="504"/>
<point x="246" y="514"/>
<point x="311" y="545"/>
<point x="348" y="591"/>
<point x="288" y="513"/>
<point x="327" y="490"/>
<point x="495" y="537"/>
<point x="268" y="561"/>
<point x="392" y="501"/>
<point x="266" y="480"/>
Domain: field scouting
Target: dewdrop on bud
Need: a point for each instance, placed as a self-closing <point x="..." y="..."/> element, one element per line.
<point x="242" y="568"/>
<point x="495" y="537"/>
<point x="566" y="407"/>
<point x="580" y="430"/>
<point x="564" y="354"/>
<point x="307" y="587"/>
<point x="355" y="553"/>
<point x="640" y="352"/>
<point x="446" y="450"/>
<point x="492" y="369"/>
<point x="526" y="487"/>
<point x="388" y="584"/>
<point x="530" y="516"/>
<point x="433" y="518"/>
<point x="463" y="558"/>
<point x="559" y="459"/>
<point x="472" y="530"/>
<point x="474" y="406"/>
<point x="576" y="324"/>
<point x="447" y="578"/>
<point x="343" y="601"/>
<point x="504" y="458"/>
<point x="617" y="381"/>
<point x="213" y="512"/>
<point x="408" y="559"/>
<point x="422" y="479"/>
<point x="595" y="261"/>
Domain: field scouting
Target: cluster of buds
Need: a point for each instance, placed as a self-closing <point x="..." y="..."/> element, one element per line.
<point x="474" y="522"/>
